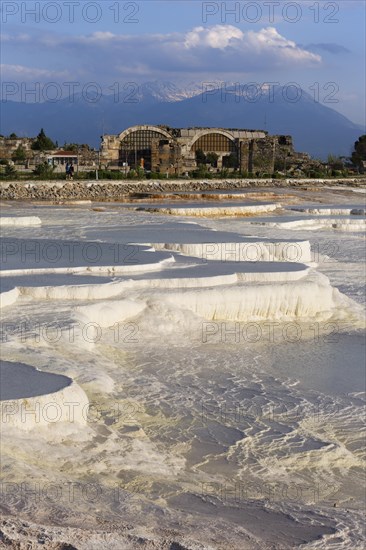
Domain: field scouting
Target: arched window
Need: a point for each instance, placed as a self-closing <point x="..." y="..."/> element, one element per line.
<point x="214" y="143"/>
<point x="137" y="145"/>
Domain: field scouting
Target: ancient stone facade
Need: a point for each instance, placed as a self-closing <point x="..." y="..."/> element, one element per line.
<point x="8" y="147"/>
<point x="173" y="151"/>
<point x="166" y="157"/>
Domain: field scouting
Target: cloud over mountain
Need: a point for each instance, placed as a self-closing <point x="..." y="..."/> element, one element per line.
<point x="332" y="48"/>
<point x="220" y="48"/>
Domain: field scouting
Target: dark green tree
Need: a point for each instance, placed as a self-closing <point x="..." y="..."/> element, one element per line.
<point x="335" y="162"/>
<point x="212" y="158"/>
<point x="10" y="171"/>
<point x="19" y="154"/>
<point x="200" y="157"/>
<point x="44" y="170"/>
<point x="13" y="136"/>
<point x="230" y="161"/>
<point x="70" y="146"/>
<point x="42" y="142"/>
<point x="359" y="154"/>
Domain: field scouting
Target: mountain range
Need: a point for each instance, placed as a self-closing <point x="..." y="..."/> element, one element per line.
<point x="316" y="128"/>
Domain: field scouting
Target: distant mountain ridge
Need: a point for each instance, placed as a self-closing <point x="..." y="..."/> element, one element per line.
<point x="167" y="91"/>
<point x="316" y="128"/>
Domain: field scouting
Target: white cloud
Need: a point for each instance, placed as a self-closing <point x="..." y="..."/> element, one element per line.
<point x="29" y="73"/>
<point x="270" y="41"/>
<point x="20" y="37"/>
<point x="219" y="36"/>
<point x="103" y="35"/>
<point x="266" y="43"/>
<point x="219" y="49"/>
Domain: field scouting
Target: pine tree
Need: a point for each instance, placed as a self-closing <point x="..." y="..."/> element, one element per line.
<point x="43" y="143"/>
<point x="19" y="155"/>
<point x="358" y="156"/>
<point x="10" y="171"/>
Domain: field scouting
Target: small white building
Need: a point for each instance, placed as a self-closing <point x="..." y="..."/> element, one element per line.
<point x="61" y="158"/>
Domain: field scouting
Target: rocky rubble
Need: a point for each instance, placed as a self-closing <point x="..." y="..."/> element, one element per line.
<point x="124" y="190"/>
<point x="17" y="534"/>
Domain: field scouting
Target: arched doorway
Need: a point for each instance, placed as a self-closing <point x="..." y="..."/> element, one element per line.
<point x="221" y="143"/>
<point x="135" y="145"/>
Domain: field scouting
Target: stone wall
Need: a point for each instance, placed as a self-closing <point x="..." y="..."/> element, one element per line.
<point x="166" y="157"/>
<point x="244" y="156"/>
<point x="173" y="153"/>
<point x="262" y="156"/>
<point x="104" y="191"/>
<point x="9" y="146"/>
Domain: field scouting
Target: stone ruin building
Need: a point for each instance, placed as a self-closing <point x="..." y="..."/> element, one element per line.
<point x="172" y="151"/>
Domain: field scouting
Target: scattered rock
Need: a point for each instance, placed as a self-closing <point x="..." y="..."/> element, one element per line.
<point x="105" y="191"/>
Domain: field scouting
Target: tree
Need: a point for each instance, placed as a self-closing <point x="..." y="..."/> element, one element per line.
<point x="358" y="156"/>
<point x="44" y="170"/>
<point x="13" y="136"/>
<point x="19" y="154"/>
<point x="42" y="142"/>
<point x="336" y="163"/>
<point x="76" y="146"/>
<point x="10" y="171"/>
<point x="200" y="157"/>
<point x="335" y="166"/>
<point x="230" y="161"/>
<point x="70" y="146"/>
<point x="212" y="158"/>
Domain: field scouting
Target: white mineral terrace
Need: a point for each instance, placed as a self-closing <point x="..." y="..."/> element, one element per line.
<point x="311" y="297"/>
<point x="330" y="211"/>
<point x="212" y="289"/>
<point x="251" y="250"/>
<point x="8" y="297"/>
<point x="22" y="256"/>
<point x="341" y="224"/>
<point x="154" y="361"/>
<point x="232" y="277"/>
<point x="30" y="399"/>
<point x="68" y="287"/>
<point x="145" y="270"/>
<point x="217" y="211"/>
<point x="23" y="221"/>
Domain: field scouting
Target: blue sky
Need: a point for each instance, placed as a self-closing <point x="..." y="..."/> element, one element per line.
<point x="318" y="44"/>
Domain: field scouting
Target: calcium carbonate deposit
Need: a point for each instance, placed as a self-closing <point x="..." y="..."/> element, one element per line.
<point x="21" y="221"/>
<point x="220" y="211"/>
<point x="184" y="376"/>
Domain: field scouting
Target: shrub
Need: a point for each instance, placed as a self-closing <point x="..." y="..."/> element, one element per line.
<point x="201" y="173"/>
<point x="19" y="154"/>
<point x="279" y="176"/>
<point x="10" y="171"/>
<point x="154" y="176"/>
<point x="44" y="170"/>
